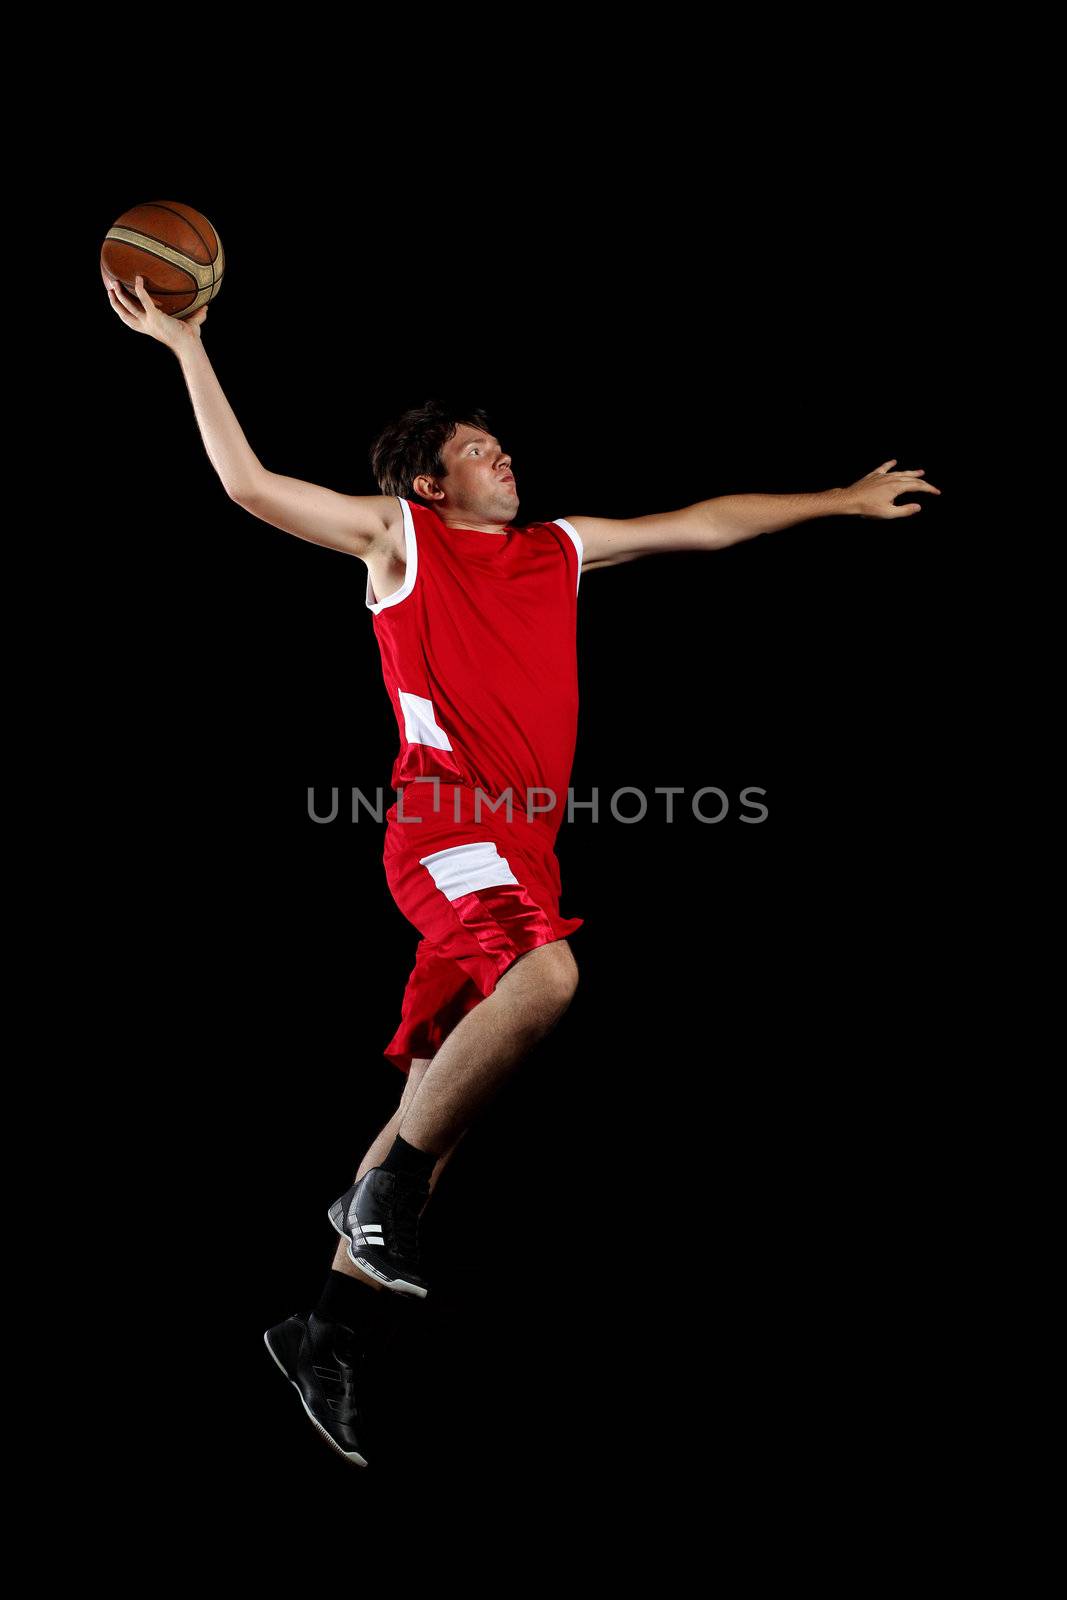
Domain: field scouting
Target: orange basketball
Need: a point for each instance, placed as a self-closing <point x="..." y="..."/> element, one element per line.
<point x="173" y="247"/>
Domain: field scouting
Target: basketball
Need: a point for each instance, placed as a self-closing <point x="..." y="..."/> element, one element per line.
<point x="174" y="248"/>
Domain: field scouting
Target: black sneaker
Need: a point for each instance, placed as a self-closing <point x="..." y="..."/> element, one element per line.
<point x="324" y="1363"/>
<point x="379" y="1216"/>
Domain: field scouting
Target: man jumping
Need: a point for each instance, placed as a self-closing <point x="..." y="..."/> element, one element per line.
<point x="476" y="619"/>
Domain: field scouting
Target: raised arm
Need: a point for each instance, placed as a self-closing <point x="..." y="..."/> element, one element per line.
<point x="356" y="524"/>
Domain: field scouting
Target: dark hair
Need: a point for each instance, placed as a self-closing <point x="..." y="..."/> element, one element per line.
<point x="413" y="443"/>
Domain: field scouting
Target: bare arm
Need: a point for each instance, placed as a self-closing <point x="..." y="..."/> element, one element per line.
<point x="228" y="450"/>
<point x="727" y="519"/>
<point x="356" y="524"/>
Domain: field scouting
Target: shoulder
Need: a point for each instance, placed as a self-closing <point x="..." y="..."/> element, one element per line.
<point x="560" y="530"/>
<point x="606" y="541"/>
<point x="566" y="527"/>
<point x="567" y="540"/>
<point x="411" y="520"/>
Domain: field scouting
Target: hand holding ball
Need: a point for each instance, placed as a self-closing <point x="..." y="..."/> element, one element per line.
<point x="169" y="330"/>
<point x="162" y="264"/>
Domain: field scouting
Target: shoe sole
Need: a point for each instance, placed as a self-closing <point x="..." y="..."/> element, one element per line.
<point x="348" y="1455"/>
<point x="398" y="1285"/>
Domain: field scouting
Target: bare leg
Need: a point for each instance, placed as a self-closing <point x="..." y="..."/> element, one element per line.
<point x="483" y="1048"/>
<point x="377" y="1153"/>
<point x="442" y="1097"/>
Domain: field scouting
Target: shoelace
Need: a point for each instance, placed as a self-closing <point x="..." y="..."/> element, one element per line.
<point x="345" y="1408"/>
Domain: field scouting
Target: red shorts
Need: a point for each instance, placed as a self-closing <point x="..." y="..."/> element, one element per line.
<point x="481" y="893"/>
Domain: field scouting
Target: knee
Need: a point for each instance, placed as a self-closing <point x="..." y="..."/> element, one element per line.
<point x="559" y="978"/>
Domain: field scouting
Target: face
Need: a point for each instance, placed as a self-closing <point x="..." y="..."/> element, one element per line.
<point x="479" y="480"/>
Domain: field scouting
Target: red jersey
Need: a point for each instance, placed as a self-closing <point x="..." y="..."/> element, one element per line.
<point x="479" y="657"/>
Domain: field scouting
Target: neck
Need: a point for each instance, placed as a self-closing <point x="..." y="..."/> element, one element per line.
<point x="456" y="519"/>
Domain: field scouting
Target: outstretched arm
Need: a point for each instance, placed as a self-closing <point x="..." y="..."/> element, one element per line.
<point x="729" y="518"/>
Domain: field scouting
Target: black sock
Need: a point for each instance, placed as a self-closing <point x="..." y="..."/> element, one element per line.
<point x="413" y="1163"/>
<point x="348" y="1300"/>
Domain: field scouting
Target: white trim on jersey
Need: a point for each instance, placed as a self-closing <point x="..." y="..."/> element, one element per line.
<point x="576" y="540"/>
<point x="411" y="556"/>
<point x="463" y="867"/>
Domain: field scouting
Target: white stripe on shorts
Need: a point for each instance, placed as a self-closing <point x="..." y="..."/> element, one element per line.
<point x="463" y="867"/>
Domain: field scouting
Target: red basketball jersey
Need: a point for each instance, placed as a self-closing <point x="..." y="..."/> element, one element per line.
<point x="479" y="658"/>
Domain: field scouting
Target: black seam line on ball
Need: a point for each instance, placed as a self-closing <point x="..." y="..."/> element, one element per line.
<point x="158" y="205"/>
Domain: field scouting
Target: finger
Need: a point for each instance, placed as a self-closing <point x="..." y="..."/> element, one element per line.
<point x="136" y="315"/>
<point x="119" y="309"/>
<point x="139" y="289"/>
<point x="913" y="482"/>
<point x="909" y="509"/>
<point x="886" y="465"/>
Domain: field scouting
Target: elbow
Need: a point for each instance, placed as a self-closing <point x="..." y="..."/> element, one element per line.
<point x="246" y="488"/>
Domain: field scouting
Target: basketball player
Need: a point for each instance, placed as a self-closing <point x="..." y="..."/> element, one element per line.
<point x="475" y="617"/>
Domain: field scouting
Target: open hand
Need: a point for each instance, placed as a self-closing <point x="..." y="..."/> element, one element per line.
<point x="147" y="317"/>
<point x="873" y="496"/>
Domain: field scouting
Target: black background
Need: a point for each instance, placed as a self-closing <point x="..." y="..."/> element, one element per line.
<point x="686" y="1250"/>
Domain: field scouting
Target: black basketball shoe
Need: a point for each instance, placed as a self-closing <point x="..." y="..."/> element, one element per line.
<point x="379" y="1216"/>
<point x="324" y="1361"/>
